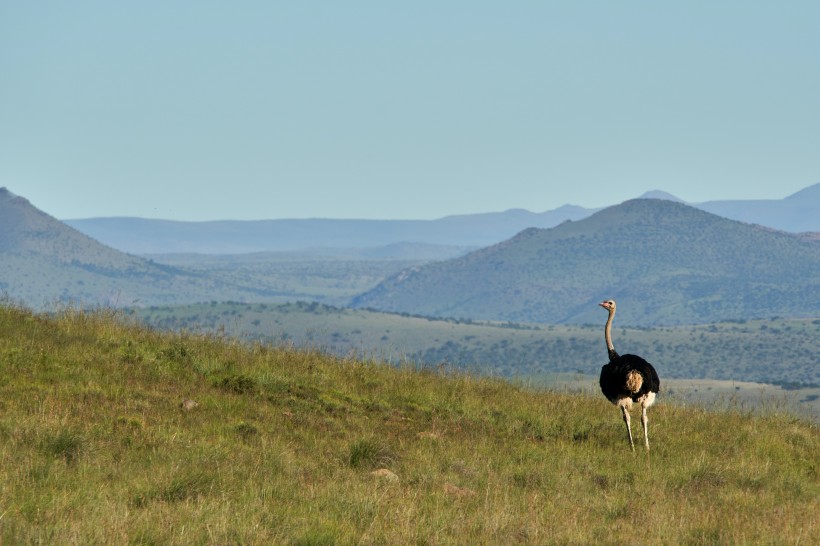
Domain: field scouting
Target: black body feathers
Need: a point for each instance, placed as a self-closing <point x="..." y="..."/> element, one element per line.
<point x="614" y="376"/>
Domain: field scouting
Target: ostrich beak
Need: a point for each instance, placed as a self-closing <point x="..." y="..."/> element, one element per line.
<point x="603" y="304"/>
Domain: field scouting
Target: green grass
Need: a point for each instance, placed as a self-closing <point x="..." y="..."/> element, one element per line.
<point x="95" y="447"/>
<point x="777" y="351"/>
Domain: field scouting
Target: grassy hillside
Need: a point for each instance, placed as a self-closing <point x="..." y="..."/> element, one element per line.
<point x="777" y="351"/>
<point x="664" y="262"/>
<point x="293" y="447"/>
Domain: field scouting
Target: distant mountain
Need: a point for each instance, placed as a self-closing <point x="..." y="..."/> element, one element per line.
<point x="664" y="262"/>
<point x="143" y="236"/>
<point x="658" y="194"/>
<point x="44" y="262"/>
<point x="797" y="213"/>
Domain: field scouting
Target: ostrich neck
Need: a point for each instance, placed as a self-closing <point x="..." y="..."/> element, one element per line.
<point x="608" y="335"/>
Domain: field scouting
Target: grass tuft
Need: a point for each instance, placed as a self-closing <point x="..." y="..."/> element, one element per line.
<point x="65" y="444"/>
<point x="238" y="384"/>
<point x="370" y="453"/>
<point x="189" y="485"/>
<point x="246" y="431"/>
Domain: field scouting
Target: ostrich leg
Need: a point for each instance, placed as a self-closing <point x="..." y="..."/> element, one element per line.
<point x="628" y="427"/>
<point x="644" y="422"/>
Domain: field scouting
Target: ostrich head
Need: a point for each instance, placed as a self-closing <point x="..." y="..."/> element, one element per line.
<point x="609" y="305"/>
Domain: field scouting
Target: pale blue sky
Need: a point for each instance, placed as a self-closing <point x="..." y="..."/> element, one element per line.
<point x="204" y="110"/>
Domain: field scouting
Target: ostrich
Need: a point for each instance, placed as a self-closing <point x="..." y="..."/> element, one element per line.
<point x="627" y="379"/>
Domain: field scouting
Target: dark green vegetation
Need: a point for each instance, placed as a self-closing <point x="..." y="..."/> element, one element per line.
<point x="664" y="262"/>
<point x="778" y="351"/>
<point x="291" y="446"/>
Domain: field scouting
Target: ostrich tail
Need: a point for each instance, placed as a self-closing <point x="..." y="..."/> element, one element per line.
<point x="634" y="381"/>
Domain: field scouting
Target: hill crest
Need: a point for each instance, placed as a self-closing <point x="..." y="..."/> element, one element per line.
<point x="797" y="213"/>
<point x="27" y="230"/>
<point x="44" y="262"/>
<point x="665" y="262"/>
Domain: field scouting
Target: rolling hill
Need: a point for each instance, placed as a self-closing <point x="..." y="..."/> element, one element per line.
<point x="665" y="263"/>
<point x="116" y="434"/>
<point x="43" y="262"/>
<point x="799" y="212"/>
<point x="696" y="268"/>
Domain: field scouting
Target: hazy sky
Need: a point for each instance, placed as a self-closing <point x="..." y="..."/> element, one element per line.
<point x="203" y="110"/>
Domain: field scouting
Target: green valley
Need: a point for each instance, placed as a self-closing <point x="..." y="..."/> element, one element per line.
<point x="778" y="351"/>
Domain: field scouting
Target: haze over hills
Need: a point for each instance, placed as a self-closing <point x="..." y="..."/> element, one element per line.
<point x="43" y="261"/>
<point x="799" y="212"/>
<point x="692" y="266"/>
<point x="664" y="262"/>
<point x="144" y="236"/>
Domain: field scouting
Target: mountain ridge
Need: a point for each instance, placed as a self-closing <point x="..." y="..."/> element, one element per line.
<point x="799" y="212"/>
<point x="692" y="265"/>
<point x="697" y="267"/>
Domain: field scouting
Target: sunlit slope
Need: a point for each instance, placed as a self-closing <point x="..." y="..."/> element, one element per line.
<point x="281" y="446"/>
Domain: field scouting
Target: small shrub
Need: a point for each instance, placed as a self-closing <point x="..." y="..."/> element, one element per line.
<point x="246" y="431"/>
<point x="128" y="423"/>
<point x="581" y="432"/>
<point x="176" y="353"/>
<point x="533" y="430"/>
<point x="181" y="488"/>
<point x="370" y="453"/>
<point x="65" y="445"/>
<point x="129" y="353"/>
<point x="529" y="479"/>
<point x="238" y="384"/>
<point x="186" y="487"/>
